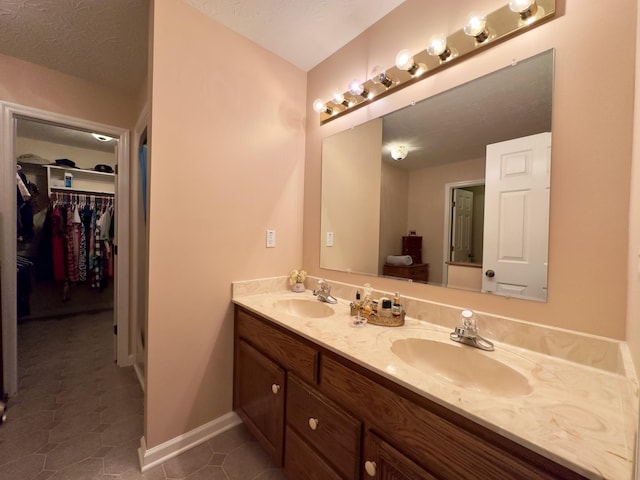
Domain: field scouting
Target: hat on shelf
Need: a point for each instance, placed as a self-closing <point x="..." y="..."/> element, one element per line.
<point x="65" y="162"/>
<point x="103" y="168"/>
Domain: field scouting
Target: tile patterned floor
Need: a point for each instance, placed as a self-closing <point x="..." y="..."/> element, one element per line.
<point x="77" y="416"/>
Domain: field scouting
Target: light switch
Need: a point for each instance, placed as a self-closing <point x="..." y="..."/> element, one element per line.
<point x="329" y="239"/>
<point x="271" y="238"/>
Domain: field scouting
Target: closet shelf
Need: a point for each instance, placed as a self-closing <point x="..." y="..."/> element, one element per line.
<point x="84" y="181"/>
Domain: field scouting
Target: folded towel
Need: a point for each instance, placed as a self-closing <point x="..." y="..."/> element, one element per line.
<point x="399" y="260"/>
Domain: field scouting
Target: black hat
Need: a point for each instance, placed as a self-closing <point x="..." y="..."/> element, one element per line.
<point x="103" y="168"/>
<point x="66" y="162"/>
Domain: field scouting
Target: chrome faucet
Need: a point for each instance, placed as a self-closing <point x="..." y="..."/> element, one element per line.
<point x="467" y="332"/>
<point x="324" y="292"/>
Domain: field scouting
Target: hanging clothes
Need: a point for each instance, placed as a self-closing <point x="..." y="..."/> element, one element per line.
<point x="80" y="243"/>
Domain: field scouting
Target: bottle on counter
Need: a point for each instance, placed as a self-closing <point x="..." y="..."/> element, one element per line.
<point x="396" y="308"/>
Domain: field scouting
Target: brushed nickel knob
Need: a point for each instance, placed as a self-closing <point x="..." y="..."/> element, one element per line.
<point x="490" y="273"/>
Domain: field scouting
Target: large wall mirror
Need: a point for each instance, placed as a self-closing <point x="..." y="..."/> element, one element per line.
<point x="452" y="191"/>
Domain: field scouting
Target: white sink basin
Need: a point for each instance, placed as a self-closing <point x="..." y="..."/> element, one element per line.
<point x="299" y="307"/>
<point x="462" y="365"/>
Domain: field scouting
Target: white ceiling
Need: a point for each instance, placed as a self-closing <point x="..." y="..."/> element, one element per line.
<point x="103" y="41"/>
<point x="304" y="32"/>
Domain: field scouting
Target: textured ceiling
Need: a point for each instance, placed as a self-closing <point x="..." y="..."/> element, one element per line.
<point x="103" y="41"/>
<point x="303" y="32"/>
<point x="62" y="135"/>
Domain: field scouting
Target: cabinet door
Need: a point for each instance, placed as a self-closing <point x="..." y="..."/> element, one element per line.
<point x="383" y="462"/>
<point x="259" y="397"/>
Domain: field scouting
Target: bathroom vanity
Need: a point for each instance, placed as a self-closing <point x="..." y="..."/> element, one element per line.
<point x="304" y="387"/>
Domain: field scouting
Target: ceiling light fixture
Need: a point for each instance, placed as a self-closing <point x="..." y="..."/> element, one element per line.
<point x="476" y="26"/>
<point x="399" y="152"/>
<point x="101" y="138"/>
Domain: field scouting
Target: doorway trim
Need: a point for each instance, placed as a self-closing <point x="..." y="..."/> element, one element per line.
<point x="10" y="112"/>
<point x="448" y="193"/>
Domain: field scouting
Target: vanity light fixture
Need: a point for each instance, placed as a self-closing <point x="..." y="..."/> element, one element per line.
<point x="476" y="26"/>
<point x="399" y="152"/>
<point x="357" y="88"/>
<point x="438" y="47"/>
<point x="481" y="30"/>
<point x="320" y="107"/>
<point x="405" y="61"/>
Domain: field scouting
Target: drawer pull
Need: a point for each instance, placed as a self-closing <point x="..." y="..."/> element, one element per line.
<point x="370" y="467"/>
<point x="275" y="388"/>
<point x="313" y="423"/>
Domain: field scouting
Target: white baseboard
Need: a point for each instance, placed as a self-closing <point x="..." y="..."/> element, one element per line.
<point x="140" y="374"/>
<point x="151" y="457"/>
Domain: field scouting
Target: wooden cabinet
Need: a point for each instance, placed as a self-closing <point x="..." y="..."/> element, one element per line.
<point x="309" y="407"/>
<point x="259" y="390"/>
<point x="417" y="273"/>
<point x="383" y="462"/>
<point x="263" y="354"/>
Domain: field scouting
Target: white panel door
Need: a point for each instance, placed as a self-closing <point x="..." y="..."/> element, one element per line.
<point x="517" y="217"/>
<point x="462" y="225"/>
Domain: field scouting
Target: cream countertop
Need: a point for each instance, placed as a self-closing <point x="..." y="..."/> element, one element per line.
<point x="577" y="415"/>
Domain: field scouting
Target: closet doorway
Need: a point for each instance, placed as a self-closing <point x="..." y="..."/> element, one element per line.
<point x="64" y="174"/>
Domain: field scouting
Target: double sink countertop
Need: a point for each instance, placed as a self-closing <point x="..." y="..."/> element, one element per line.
<point x="580" y="412"/>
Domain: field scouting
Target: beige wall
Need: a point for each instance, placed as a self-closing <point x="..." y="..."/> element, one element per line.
<point x="227" y="147"/>
<point x="394" y="211"/>
<point x="592" y="128"/>
<point x="633" y="293"/>
<point x="427" y="204"/>
<point x="350" y="175"/>
<point x="34" y="86"/>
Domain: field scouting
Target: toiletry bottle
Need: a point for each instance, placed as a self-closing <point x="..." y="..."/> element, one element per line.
<point x="396" y="308"/>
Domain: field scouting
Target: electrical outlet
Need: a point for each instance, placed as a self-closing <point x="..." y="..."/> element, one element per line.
<point x="329" y="239"/>
<point x="271" y="238"/>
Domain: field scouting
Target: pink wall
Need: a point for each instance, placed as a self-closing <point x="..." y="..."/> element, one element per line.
<point x="592" y="138"/>
<point x="34" y="86"/>
<point x="227" y="148"/>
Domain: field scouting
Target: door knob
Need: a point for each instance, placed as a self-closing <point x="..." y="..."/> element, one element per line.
<point x="490" y="273"/>
<point x="275" y="388"/>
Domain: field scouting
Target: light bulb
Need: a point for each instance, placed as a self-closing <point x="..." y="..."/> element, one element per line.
<point x="438" y="47"/>
<point x="338" y="98"/>
<point x="379" y="77"/>
<point x="320" y="107"/>
<point x="357" y="88"/>
<point x="521" y="6"/>
<point x="476" y="26"/>
<point x="404" y="60"/>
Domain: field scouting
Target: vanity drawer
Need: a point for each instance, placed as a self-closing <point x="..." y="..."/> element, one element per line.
<point x="325" y="426"/>
<point x="283" y="348"/>
<point x="301" y="461"/>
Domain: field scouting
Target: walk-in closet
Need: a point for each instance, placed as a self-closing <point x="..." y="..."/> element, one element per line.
<point x="65" y="200"/>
